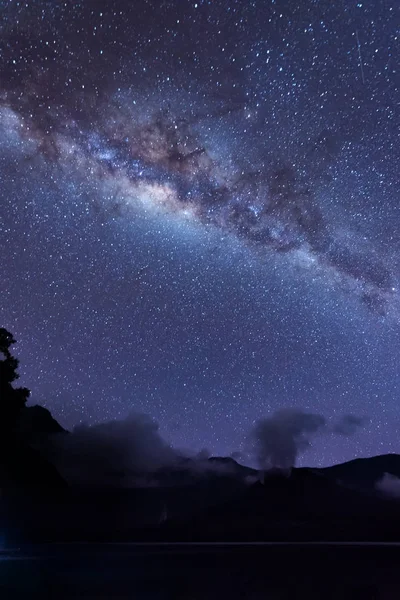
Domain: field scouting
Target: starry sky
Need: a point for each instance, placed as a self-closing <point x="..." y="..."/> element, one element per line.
<point x="199" y="213"/>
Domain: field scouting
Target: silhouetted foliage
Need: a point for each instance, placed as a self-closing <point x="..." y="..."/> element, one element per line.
<point x="12" y="400"/>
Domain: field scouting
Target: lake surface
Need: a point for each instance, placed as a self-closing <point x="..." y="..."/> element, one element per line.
<point x="202" y="572"/>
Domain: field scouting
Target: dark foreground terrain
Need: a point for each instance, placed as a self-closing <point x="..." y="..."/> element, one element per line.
<point x="64" y="538"/>
<point x="202" y="572"/>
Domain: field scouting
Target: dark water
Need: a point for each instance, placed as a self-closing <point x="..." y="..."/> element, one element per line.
<point x="202" y="572"/>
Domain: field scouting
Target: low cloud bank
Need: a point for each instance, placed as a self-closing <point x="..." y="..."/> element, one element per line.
<point x="130" y="452"/>
<point x="116" y="452"/>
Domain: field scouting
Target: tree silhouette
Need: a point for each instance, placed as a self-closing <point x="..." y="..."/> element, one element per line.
<point x="12" y="400"/>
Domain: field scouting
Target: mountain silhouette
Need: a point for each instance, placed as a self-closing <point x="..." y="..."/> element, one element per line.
<point x="364" y="473"/>
<point x="200" y="498"/>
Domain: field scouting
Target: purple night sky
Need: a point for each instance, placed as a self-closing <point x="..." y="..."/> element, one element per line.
<point x="199" y="213"/>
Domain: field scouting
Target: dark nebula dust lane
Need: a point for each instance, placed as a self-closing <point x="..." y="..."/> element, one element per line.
<point x="189" y="171"/>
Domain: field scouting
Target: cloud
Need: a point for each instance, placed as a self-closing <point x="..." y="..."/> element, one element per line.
<point x="349" y="424"/>
<point x="131" y="452"/>
<point x="277" y="440"/>
<point x="115" y="453"/>
<point x="389" y="485"/>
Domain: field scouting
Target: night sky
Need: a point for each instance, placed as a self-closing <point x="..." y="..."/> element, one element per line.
<point x="199" y="213"/>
